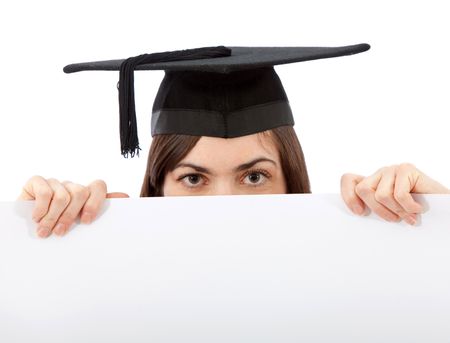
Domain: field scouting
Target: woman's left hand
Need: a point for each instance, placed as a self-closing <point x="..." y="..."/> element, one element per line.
<point x="388" y="192"/>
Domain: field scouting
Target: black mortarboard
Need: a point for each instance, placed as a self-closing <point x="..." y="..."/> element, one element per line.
<point x="217" y="91"/>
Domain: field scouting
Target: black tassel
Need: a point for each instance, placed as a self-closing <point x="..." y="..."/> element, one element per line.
<point x="128" y="128"/>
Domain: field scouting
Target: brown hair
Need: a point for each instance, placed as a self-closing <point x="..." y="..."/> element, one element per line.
<point x="167" y="150"/>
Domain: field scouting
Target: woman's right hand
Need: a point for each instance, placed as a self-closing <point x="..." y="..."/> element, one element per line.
<point x="58" y="204"/>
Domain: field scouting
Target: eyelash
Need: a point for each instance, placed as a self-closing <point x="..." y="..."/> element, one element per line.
<point x="257" y="171"/>
<point x="247" y="173"/>
<point x="183" y="177"/>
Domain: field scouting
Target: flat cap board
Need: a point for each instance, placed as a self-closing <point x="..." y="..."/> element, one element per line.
<point x="279" y="268"/>
<point x="242" y="57"/>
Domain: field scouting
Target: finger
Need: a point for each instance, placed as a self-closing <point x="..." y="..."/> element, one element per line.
<point x="37" y="189"/>
<point x="28" y="191"/>
<point x="60" y="200"/>
<point x="351" y="199"/>
<point x="78" y="195"/>
<point x="95" y="201"/>
<point x="384" y="193"/>
<point x="366" y="191"/>
<point x="117" y="195"/>
<point x="423" y="184"/>
<point x="402" y="189"/>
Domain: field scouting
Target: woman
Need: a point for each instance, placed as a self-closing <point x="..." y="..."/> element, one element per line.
<point x="221" y="124"/>
<point x="387" y="192"/>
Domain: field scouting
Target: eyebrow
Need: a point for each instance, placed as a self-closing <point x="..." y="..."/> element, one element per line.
<point x="239" y="168"/>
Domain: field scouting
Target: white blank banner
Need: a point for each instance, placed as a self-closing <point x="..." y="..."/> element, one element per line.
<point x="279" y="268"/>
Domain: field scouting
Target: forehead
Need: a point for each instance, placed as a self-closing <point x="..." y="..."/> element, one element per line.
<point x="232" y="150"/>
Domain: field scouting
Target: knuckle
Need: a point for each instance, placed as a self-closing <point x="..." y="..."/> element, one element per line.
<point x="80" y="192"/>
<point x="382" y="197"/>
<point x="350" y="180"/>
<point x="61" y="198"/>
<point x="99" y="183"/>
<point x="401" y="214"/>
<point x="84" y="192"/>
<point x="48" y="222"/>
<point x="91" y="208"/>
<point x="39" y="211"/>
<point x="45" y="193"/>
<point x="383" y="170"/>
<point x="392" y="169"/>
<point x="362" y="190"/>
<point x="406" y="165"/>
<point x="67" y="218"/>
<point x="53" y="180"/>
<point x="345" y="178"/>
<point x="67" y="183"/>
<point x="35" y="178"/>
<point x="400" y="196"/>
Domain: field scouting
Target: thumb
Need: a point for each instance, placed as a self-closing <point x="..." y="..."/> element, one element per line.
<point x="117" y="195"/>
<point x="426" y="185"/>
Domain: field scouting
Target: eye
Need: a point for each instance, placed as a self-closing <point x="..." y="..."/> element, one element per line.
<point x="256" y="177"/>
<point x="192" y="180"/>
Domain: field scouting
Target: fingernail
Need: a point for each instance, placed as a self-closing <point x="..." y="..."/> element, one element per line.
<point x="86" y="218"/>
<point x="60" y="229"/>
<point x="410" y="220"/>
<point x="43" y="232"/>
<point x="357" y="209"/>
<point x="393" y="218"/>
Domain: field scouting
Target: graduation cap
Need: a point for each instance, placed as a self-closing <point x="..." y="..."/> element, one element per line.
<point x="214" y="91"/>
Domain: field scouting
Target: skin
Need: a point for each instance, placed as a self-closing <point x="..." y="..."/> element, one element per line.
<point x="387" y="192"/>
<point x="243" y="165"/>
<point x="217" y="166"/>
<point x="58" y="204"/>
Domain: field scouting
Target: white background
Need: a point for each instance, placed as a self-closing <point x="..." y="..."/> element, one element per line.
<point x="353" y="114"/>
